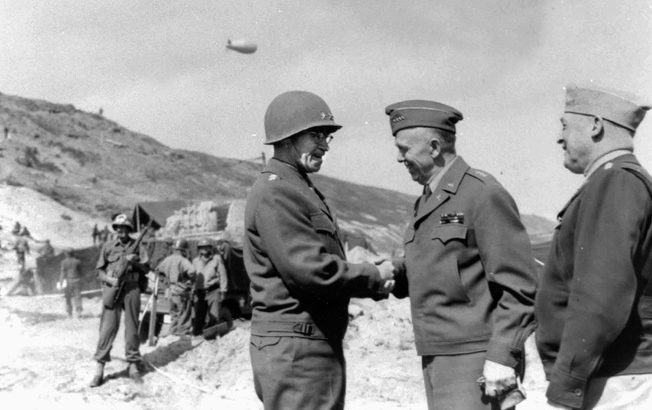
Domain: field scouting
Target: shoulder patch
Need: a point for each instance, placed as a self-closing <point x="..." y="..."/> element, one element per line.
<point x="479" y="175"/>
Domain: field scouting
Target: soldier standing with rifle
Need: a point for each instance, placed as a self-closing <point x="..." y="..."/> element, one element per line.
<point x="121" y="266"/>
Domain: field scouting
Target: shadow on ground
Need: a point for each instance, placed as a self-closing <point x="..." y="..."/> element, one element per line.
<point x="33" y="318"/>
<point x="164" y="355"/>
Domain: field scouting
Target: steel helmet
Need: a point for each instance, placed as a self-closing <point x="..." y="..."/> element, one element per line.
<point x="204" y="243"/>
<point x="122" y="220"/>
<point x="296" y="111"/>
<point x="180" y="244"/>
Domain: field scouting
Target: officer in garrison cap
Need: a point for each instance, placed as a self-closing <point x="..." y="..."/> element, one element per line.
<point x="301" y="282"/>
<point x="594" y="306"/>
<point x="468" y="267"/>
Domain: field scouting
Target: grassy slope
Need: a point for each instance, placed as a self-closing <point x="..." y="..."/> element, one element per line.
<point x="92" y="164"/>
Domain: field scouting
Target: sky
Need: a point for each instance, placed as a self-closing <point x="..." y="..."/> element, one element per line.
<point x="161" y="68"/>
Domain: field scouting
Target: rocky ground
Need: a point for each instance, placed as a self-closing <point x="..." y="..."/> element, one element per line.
<point x="46" y="357"/>
<point x="46" y="363"/>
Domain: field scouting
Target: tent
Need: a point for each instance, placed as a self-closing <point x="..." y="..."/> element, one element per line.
<point x="157" y="212"/>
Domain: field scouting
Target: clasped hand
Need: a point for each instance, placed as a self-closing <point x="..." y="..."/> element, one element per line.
<point x="386" y="269"/>
<point x="498" y="378"/>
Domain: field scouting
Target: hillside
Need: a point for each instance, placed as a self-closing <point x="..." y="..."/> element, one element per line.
<point x="93" y="165"/>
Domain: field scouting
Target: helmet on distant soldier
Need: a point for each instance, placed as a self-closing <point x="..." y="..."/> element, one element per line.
<point x="180" y="244"/>
<point x="295" y="111"/>
<point x="122" y="220"/>
<point x="204" y="243"/>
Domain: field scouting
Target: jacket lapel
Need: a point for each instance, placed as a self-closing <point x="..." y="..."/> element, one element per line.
<point x="446" y="188"/>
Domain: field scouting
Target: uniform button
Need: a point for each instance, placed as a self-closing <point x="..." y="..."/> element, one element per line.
<point x="421" y="315"/>
<point x="578" y="392"/>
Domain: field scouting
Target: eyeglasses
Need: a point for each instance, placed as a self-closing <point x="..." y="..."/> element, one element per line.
<point x="321" y="137"/>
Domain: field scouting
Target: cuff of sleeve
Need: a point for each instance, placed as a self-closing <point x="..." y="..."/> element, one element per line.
<point x="504" y="354"/>
<point x="566" y="389"/>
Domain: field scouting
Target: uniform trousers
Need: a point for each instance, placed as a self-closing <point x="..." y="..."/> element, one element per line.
<point x="451" y="382"/>
<point x="298" y="373"/>
<point x="72" y="294"/>
<point x="181" y="314"/>
<point x="199" y="311"/>
<point x="213" y="308"/>
<point x="129" y="301"/>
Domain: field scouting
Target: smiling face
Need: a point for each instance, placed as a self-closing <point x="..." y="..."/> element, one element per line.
<point x="311" y="146"/>
<point x="417" y="153"/>
<point x="576" y="141"/>
<point x="122" y="232"/>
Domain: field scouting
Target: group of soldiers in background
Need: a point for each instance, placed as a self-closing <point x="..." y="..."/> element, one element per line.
<point x="194" y="290"/>
<point x="25" y="281"/>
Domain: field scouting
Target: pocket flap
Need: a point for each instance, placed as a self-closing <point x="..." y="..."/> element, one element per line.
<point x="322" y="223"/>
<point x="448" y="232"/>
<point x="260" y="342"/>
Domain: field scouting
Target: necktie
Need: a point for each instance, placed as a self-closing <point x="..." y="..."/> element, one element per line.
<point x="426" y="192"/>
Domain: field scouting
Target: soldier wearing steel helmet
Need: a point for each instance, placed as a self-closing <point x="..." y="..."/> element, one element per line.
<point x="128" y="298"/>
<point x="301" y="282"/>
<point x="210" y="286"/>
<point x="180" y="278"/>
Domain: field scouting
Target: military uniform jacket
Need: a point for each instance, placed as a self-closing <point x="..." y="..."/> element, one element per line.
<point x="468" y="269"/>
<point x="300" y="281"/>
<point x="109" y="258"/>
<point x="210" y="273"/>
<point x="179" y="273"/>
<point x="595" y="316"/>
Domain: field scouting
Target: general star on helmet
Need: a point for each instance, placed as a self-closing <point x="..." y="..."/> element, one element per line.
<point x="326" y="116"/>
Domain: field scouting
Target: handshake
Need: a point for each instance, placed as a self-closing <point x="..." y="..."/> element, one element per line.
<point x="387" y="273"/>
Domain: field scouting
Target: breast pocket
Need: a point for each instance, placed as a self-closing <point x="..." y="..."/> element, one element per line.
<point x="454" y="238"/>
<point x="450" y="232"/>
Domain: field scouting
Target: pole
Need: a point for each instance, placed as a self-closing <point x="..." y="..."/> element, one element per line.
<point x="152" y="314"/>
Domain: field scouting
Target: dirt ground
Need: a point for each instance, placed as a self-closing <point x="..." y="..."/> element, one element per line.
<point x="46" y="360"/>
<point x="46" y="363"/>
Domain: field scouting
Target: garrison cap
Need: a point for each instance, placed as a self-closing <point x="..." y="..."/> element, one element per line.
<point x="422" y="113"/>
<point x="613" y="106"/>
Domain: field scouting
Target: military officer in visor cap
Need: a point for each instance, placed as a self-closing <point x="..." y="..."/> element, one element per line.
<point x="468" y="267"/>
<point x="594" y="307"/>
<point x="301" y="282"/>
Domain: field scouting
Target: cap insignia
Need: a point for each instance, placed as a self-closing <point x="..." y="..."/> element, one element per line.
<point x="397" y="118"/>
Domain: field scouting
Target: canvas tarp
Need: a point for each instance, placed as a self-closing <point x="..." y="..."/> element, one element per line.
<point x="158" y="212"/>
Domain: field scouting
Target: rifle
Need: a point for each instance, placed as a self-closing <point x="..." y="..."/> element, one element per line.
<point x="112" y="294"/>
